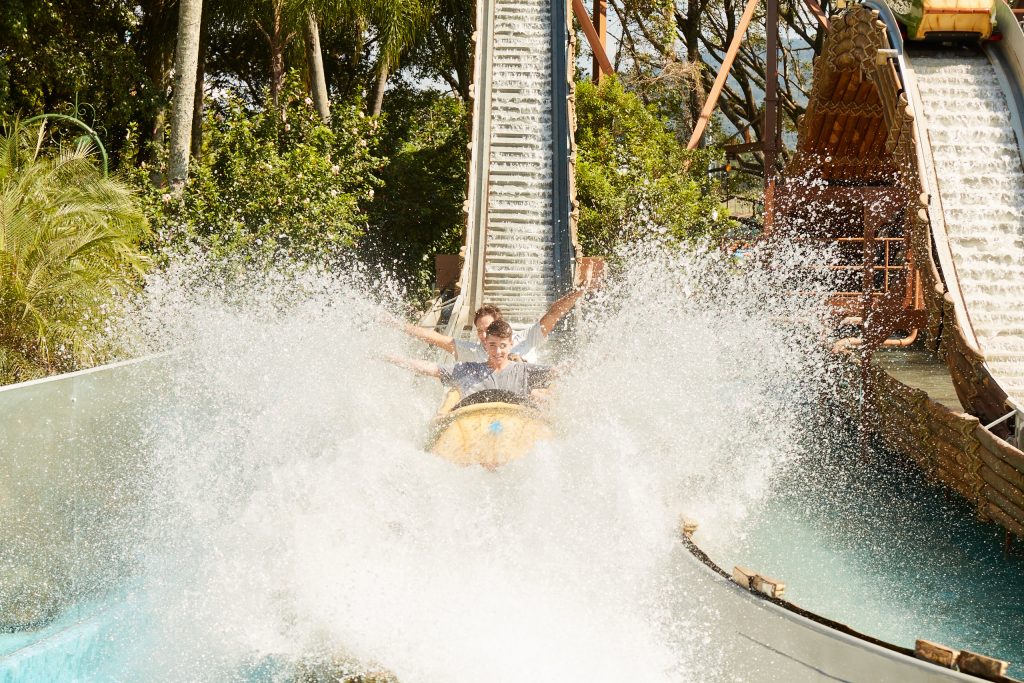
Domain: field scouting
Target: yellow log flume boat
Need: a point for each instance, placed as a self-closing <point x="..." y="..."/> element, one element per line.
<point x="488" y="428"/>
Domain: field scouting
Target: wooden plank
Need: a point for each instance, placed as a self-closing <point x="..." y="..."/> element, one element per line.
<point x="1007" y="453"/>
<point x="998" y="492"/>
<point x="936" y="653"/>
<point x="723" y="72"/>
<point x="1004" y="520"/>
<point x="773" y="588"/>
<point x="743" y="148"/>
<point x="980" y="665"/>
<point x="592" y="37"/>
<point x="818" y="13"/>
<point x="743" y="576"/>
<point x="688" y="526"/>
<point x="601" y="26"/>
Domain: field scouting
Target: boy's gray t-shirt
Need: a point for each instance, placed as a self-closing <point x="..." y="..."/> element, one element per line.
<point x="518" y="378"/>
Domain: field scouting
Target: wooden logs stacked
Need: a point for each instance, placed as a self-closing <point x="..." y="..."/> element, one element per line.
<point x="1002" y="471"/>
<point x="951" y="447"/>
<point x="844" y="131"/>
<point x="976" y="388"/>
<point x="939" y="440"/>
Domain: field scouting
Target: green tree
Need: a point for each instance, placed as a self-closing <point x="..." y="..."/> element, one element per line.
<point x="398" y="25"/>
<point x="634" y="178"/>
<point x="446" y="51"/>
<point x="269" y="186"/>
<point x="418" y="211"/>
<point x="69" y="247"/>
<point x="55" y="53"/>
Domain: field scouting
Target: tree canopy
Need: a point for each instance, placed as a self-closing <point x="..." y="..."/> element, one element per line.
<point x="292" y="149"/>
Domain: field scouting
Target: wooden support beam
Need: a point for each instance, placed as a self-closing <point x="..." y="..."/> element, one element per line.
<point x="601" y="25"/>
<point x="771" y="133"/>
<point x="592" y="37"/>
<point x="723" y="74"/>
<point x="818" y="13"/>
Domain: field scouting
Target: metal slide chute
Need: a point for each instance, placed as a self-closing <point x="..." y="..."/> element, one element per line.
<point x="520" y="247"/>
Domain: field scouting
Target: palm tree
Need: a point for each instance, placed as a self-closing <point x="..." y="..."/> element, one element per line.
<point x="399" y="23"/>
<point x="186" y="58"/>
<point x="315" y="62"/>
<point x="69" y="246"/>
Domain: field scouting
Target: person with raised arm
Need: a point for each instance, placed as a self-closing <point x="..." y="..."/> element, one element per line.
<point x="523" y="345"/>
<point x="499" y="373"/>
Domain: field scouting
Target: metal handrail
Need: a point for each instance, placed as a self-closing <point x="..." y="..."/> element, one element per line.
<point x="1001" y="420"/>
<point x="81" y="124"/>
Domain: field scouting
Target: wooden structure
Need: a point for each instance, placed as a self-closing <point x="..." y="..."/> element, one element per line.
<point x="855" y="182"/>
<point x="852" y="183"/>
<point x="951" y="447"/>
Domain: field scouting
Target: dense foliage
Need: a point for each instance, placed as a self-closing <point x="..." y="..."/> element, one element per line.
<point x="268" y="185"/>
<point x="69" y="247"/>
<point x="634" y="177"/>
<point x="418" y="211"/>
<point x="57" y="53"/>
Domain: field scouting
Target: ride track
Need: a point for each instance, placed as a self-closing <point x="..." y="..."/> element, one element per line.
<point x="520" y="249"/>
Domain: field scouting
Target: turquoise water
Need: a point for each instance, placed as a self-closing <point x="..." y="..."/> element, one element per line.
<point x="99" y="641"/>
<point x="869" y="543"/>
<point x="74" y="647"/>
<point x="872" y="544"/>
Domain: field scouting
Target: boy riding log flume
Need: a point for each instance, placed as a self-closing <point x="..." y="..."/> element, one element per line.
<point x="490" y="416"/>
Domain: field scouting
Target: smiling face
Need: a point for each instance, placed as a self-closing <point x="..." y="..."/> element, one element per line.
<point x="482" y="322"/>
<point x="497" y="349"/>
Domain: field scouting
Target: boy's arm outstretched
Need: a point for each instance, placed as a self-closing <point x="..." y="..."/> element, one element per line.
<point x="565" y="304"/>
<point x="420" y="367"/>
<point x="559" y="309"/>
<point x="441" y="341"/>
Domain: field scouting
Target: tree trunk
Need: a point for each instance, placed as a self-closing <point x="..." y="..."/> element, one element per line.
<point x="197" y="107"/>
<point x="315" y="60"/>
<point x="276" y="43"/>
<point x="186" y="56"/>
<point x="382" y="83"/>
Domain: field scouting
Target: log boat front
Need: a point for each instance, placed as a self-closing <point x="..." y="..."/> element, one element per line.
<point x="490" y="433"/>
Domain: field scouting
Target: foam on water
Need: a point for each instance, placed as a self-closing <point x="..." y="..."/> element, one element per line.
<point x="293" y="514"/>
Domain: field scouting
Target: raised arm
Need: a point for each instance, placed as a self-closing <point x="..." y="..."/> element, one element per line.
<point x="441" y="341"/>
<point x="565" y="304"/>
<point x="426" y="334"/>
<point x="559" y="309"/>
<point x="420" y="367"/>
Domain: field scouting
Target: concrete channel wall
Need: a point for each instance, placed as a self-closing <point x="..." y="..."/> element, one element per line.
<point x="768" y="639"/>
<point x="70" y="470"/>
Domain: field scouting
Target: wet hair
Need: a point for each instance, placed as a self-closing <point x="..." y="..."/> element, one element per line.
<point x="499" y="328"/>
<point x="487" y="309"/>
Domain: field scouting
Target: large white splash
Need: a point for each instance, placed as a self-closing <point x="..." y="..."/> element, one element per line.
<point x="293" y="515"/>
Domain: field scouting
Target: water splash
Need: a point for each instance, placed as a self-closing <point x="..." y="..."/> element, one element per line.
<point x="292" y="514"/>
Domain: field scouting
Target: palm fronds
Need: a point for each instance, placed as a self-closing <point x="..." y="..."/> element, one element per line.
<point x="69" y="247"/>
